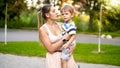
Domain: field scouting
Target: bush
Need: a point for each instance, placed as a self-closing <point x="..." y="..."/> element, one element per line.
<point x="111" y="21"/>
<point x="12" y="23"/>
<point x="82" y="24"/>
<point x="26" y="19"/>
<point x="2" y="23"/>
<point x="15" y="23"/>
<point x="29" y="18"/>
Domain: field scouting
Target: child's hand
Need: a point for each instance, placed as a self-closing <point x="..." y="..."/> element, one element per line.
<point x="71" y="49"/>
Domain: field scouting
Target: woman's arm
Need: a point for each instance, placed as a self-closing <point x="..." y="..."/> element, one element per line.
<point x="43" y="35"/>
<point x="72" y="38"/>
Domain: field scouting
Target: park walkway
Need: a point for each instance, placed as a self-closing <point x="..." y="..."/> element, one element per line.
<point x="32" y="35"/>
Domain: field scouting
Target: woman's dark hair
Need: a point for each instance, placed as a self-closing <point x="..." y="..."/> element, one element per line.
<point x="45" y="9"/>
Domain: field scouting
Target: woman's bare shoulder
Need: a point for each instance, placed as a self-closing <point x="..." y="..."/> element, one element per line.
<point x="42" y="28"/>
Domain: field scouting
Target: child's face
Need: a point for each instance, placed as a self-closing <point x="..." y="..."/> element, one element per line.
<point x="66" y="16"/>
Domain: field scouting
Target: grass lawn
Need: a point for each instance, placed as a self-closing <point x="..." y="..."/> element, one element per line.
<point x="110" y="54"/>
<point x="88" y="53"/>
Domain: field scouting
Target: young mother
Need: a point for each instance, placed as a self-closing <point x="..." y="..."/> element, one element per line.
<point x="51" y="38"/>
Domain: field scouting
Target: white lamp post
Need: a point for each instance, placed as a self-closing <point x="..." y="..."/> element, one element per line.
<point x="99" y="38"/>
<point x="6" y="25"/>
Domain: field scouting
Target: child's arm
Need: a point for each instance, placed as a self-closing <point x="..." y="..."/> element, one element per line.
<point x="72" y="38"/>
<point x="72" y="48"/>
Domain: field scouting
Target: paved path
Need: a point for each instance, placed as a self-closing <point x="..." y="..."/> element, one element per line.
<point x="32" y="35"/>
<point x="14" y="61"/>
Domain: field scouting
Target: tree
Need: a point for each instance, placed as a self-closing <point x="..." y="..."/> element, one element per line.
<point x="15" y="7"/>
<point x="110" y="14"/>
<point x="91" y="7"/>
<point x="111" y="18"/>
<point x="2" y="9"/>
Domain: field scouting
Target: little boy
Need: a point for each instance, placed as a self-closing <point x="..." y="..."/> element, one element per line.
<point x="70" y="28"/>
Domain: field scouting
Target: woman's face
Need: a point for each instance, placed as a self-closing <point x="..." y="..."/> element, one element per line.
<point x="53" y="14"/>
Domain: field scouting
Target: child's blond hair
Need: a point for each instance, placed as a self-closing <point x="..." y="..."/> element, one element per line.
<point x="67" y="8"/>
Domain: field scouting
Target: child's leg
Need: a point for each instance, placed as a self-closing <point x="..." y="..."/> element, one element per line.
<point x="64" y="63"/>
<point x="64" y="58"/>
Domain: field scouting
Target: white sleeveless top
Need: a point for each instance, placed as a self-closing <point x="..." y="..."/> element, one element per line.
<point x="53" y="38"/>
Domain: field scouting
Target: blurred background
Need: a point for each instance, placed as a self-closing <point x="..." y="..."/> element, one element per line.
<point x="99" y="17"/>
<point x="90" y="15"/>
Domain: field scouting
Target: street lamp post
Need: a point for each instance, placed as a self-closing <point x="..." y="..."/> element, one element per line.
<point x="6" y="25"/>
<point x="99" y="38"/>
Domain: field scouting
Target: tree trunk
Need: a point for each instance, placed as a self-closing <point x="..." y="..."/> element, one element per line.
<point x="91" y="22"/>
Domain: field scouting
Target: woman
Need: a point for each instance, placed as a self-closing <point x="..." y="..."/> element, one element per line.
<point x="51" y="38"/>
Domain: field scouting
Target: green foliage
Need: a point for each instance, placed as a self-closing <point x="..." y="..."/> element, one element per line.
<point x="26" y="19"/>
<point x="14" y="23"/>
<point x="92" y="8"/>
<point x="77" y="21"/>
<point x="14" y="8"/>
<point x="2" y="9"/>
<point x="34" y="20"/>
<point x="2" y="23"/>
<point x="29" y="18"/>
<point x="111" y="20"/>
<point x="110" y="17"/>
<point x="95" y="25"/>
<point x="81" y="22"/>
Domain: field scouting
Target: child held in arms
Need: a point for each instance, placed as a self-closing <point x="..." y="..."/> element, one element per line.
<point x="69" y="27"/>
